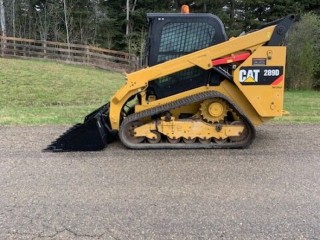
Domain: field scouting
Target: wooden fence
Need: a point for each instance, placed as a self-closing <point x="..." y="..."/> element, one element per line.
<point x="72" y="53"/>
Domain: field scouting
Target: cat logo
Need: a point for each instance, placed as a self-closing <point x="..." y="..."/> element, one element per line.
<point x="249" y="75"/>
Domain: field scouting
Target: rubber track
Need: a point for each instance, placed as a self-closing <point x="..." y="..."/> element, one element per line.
<point x="178" y="103"/>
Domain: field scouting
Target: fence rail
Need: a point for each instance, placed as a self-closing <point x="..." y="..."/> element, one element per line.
<point x="74" y="53"/>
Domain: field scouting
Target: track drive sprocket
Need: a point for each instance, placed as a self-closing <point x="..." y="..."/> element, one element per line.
<point x="214" y="110"/>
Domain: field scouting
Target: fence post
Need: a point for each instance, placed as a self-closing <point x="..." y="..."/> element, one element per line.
<point x="138" y="62"/>
<point x="14" y="47"/>
<point x="87" y="54"/>
<point x="24" y="49"/>
<point x="44" y="49"/>
<point x="3" y="45"/>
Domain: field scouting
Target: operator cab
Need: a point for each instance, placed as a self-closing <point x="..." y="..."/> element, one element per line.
<point x="173" y="35"/>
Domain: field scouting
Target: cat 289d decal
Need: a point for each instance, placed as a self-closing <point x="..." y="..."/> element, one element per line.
<point x="261" y="75"/>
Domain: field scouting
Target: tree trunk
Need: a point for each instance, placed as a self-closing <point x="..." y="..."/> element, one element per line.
<point x="204" y="6"/>
<point x="66" y="24"/>
<point x="232" y="7"/>
<point x="3" y="19"/>
<point x="134" y="6"/>
<point x="14" y="18"/>
<point x="3" y="27"/>
<point x="127" y="18"/>
<point x="14" y="24"/>
<point x="96" y="11"/>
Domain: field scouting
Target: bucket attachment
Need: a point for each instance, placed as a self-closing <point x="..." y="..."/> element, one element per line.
<point x="92" y="135"/>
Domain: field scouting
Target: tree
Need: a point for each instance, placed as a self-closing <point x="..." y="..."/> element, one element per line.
<point x="122" y="24"/>
<point x="3" y="19"/>
<point x="303" y="60"/>
<point x="66" y="23"/>
<point x="14" y="18"/>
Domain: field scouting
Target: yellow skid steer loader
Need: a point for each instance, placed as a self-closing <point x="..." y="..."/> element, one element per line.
<point x="200" y="89"/>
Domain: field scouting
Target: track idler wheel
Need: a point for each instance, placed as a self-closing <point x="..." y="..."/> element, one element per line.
<point x="156" y="139"/>
<point x="242" y="135"/>
<point x="130" y="133"/>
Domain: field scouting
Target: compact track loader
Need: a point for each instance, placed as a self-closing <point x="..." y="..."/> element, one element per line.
<point x="200" y="90"/>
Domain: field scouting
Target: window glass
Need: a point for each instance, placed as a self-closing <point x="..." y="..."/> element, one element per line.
<point x="181" y="38"/>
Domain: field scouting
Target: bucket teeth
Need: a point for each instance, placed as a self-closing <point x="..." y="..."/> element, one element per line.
<point x="92" y="135"/>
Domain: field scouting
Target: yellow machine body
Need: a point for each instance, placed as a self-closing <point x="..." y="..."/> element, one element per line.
<point x="244" y="88"/>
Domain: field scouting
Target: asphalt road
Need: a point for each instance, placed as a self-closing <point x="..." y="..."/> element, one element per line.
<point x="269" y="191"/>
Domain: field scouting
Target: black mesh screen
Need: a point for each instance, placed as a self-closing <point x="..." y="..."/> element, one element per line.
<point x="181" y="38"/>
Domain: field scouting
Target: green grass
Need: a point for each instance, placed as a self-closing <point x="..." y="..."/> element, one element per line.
<point x="304" y="107"/>
<point x="40" y="92"/>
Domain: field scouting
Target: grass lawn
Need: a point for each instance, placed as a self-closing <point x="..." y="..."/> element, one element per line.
<point x="304" y="107"/>
<point x="40" y="92"/>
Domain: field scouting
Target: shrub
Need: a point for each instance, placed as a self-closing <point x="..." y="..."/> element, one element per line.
<point x="303" y="58"/>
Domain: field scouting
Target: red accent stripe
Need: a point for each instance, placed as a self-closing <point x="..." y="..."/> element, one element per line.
<point x="235" y="58"/>
<point x="277" y="81"/>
